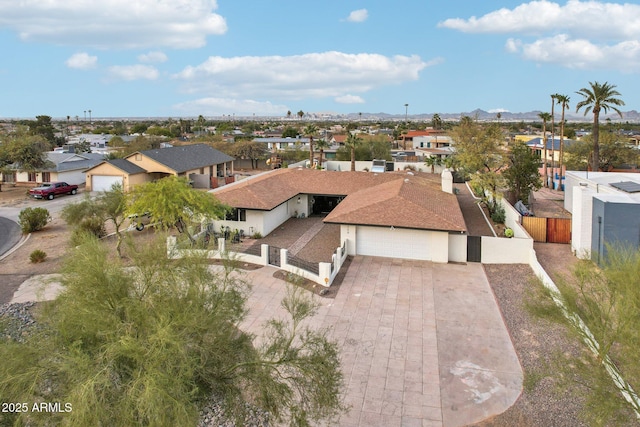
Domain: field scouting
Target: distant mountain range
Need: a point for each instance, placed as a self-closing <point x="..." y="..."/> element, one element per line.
<point x="505" y="116"/>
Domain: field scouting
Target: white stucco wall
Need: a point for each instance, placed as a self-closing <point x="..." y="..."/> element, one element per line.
<point x="500" y="250"/>
<point x="275" y="217"/>
<point x="457" y="247"/>
<point x="581" y="218"/>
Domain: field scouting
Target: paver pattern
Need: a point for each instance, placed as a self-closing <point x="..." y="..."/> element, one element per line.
<point x="421" y="344"/>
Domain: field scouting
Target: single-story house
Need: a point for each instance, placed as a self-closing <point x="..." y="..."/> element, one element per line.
<point x="199" y="163"/>
<point x="392" y="214"/>
<point x="67" y="167"/>
<point x="605" y="209"/>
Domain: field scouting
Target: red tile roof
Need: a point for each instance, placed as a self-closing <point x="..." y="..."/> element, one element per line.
<point x="386" y="199"/>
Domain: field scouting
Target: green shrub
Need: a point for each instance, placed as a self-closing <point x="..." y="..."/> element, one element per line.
<point x="508" y="232"/>
<point x="33" y="219"/>
<point x="37" y="256"/>
<point x="257" y="235"/>
<point x="498" y="215"/>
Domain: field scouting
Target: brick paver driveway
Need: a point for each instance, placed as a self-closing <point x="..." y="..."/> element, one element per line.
<point x="422" y="344"/>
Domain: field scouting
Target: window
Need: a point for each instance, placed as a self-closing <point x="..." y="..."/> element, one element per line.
<point x="46" y="176"/>
<point x="236" y="215"/>
<point x="32" y="177"/>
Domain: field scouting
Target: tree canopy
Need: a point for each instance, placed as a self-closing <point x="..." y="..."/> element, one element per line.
<point x="522" y="175"/>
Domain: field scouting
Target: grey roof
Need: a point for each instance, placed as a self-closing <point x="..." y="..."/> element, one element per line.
<point x="126" y="166"/>
<point x="188" y="157"/>
<point x="555" y="145"/>
<point x="62" y="162"/>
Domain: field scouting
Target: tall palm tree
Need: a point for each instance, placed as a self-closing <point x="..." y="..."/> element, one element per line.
<point x="436" y="121"/>
<point x="598" y="97"/>
<point x="545" y="118"/>
<point x="321" y="145"/>
<point x="352" y="142"/>
<point x="310" y="130"/>
<point x="563" y="101"/>
<point x="553" y="139"/>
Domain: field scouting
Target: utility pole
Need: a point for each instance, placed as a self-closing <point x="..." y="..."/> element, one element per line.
<point x="406" y="112"/>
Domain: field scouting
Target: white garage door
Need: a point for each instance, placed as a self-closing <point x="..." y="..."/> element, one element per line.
<point x="396" y="243"/>
<point x="104" y="182"/>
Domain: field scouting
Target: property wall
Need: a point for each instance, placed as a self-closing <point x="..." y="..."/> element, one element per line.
<point x="582" y="208"/>
<point x="457" y="247"/>
<point x="513" y="220"/>
<point x="500" y="250"/>
<point x="439" y="246"/>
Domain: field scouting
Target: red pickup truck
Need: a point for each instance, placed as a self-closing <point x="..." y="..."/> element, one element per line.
<point x="48" y="190"/>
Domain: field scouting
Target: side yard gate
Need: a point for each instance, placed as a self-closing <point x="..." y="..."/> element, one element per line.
<point x="548" y="230"/>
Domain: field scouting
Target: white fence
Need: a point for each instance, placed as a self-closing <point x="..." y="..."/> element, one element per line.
<point x="327" y="271"/>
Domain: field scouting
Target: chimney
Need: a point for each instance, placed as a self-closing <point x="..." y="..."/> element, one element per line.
<point x="447" y="181"/>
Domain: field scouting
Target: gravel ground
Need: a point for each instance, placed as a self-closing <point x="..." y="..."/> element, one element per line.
<point x="537" y="342"/>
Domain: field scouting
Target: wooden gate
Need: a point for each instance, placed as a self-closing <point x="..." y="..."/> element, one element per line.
<point x="536" y="227"/>
<point x="548" y="230"/>
<point x="558" y="230"/>
<point x="474" y="248"/>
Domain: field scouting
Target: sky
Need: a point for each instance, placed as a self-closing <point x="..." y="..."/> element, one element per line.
<point x="244" y="58"/>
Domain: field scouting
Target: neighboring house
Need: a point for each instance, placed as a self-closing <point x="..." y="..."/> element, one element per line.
<point x="605" y="209"/>
<point x="199" y="163"/>
<point x="431" y="141"/>
<point x="406" y="140"/>
<point x="67" y="167"/>
<point x="396" y="215"/>
<point x="283" y="143"/>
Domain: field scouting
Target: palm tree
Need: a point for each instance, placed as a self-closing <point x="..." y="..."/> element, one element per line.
<point x="289" y="114"/>
<point x="310" y="131"/>
<point x="545" y="118"/>
<point x="436" y="121"/>
<point x="563" y="100"/>
<point x="433" y="161"/>
<point x="553" y="138"/>
<point x="321" y="145"/>
<point x="300" y="114"/>
<point x="352" y="143"/>
<point x="598" y="97"/>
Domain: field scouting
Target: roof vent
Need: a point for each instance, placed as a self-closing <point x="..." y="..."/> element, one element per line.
<point x="406" y="180"/>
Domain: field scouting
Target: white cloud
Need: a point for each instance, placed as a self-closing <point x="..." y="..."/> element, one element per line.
<point x="82" y="61"/>
<point x="498" y="110"/>
<point x="582" y="54"/>
<point x="590" y="18"/>
<point x="153" y="57"/>
<point x="579" y="34"/>
<point x="133" y="72"/>
<point x="359" y="15"/>
<point x="349" y="99"/>
<point x="219" y="106"/>
<point x="313" y="75"/>
<point x="179" y="24"/>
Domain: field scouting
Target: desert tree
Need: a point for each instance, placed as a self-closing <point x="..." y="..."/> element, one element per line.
<point x="172" y="202"/>
<point x="522" y="174"/>
<point x="596" y="98"/>
<point x="480" y="157"/>
<point x="321" y="145"/>
<point x="150" y="345"/>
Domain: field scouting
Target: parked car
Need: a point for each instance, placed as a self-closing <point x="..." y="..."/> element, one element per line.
<point x="138" y="221"/>
<point x="48" y="190"/>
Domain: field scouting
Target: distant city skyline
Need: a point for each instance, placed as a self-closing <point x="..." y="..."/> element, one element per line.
<point x="215" y="58"/>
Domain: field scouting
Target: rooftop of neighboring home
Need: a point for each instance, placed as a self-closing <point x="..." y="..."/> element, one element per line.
<point x="385" y="199"/>
<point x="551" y="144"/>
<point x="187" y="157"/>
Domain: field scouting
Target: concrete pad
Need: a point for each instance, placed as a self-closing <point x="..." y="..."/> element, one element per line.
<point x="42" y="287"/>
<point x="421" y="343"/>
